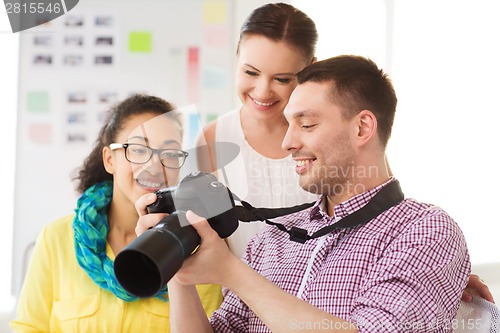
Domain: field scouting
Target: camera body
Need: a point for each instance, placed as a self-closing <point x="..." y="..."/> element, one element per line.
<point x="146" y="265"/>
<point x="203" y="194"/>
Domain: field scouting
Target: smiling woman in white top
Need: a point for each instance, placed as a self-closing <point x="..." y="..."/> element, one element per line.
<point x="276" y="42"/>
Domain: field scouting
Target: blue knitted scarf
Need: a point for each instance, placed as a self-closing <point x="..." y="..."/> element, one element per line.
<point x="91" y="229"/>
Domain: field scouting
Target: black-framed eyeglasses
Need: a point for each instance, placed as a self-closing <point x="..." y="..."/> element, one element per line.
<point x="140" y="154"/>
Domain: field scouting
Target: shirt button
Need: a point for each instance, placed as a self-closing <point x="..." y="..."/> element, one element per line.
<point x="310" y="278"/>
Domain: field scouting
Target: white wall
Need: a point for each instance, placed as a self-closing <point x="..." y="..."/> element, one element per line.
<point x="8" y="110"/>
<point x="40" y="173"/>
<point x="168" y="68"/>
<point x="445" y="67"/>
<point x="443" y="59"/>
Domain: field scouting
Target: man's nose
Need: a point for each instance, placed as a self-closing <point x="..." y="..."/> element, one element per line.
<point x="290" y="142"/>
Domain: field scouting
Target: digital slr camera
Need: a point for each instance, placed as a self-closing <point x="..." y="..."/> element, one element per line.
<point x="150" y="261"/>
<point x="145" y="266"/>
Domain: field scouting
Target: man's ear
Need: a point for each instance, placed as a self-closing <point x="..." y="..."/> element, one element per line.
<point x="367" y="127"/>
<point x="108" y="160"/>
<point x="314" y="60"/>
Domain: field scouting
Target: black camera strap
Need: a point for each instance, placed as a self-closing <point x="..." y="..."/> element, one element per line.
<point x="389" y="196"/>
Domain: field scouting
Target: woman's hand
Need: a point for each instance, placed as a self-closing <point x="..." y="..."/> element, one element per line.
<point x="146" y="220"/>
<point x="476" y="286"/>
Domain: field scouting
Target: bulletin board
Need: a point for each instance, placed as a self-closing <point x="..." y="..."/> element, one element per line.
<point x="73" y="68"/>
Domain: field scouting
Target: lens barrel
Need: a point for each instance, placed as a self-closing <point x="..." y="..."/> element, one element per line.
<point x="145" y="266"/>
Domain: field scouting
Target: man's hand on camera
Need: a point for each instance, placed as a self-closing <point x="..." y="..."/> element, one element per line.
<point x="212" y="262"/>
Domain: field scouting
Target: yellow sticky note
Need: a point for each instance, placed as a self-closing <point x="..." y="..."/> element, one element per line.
<point x="214" y="11"/>
<point x="140" y="41"/>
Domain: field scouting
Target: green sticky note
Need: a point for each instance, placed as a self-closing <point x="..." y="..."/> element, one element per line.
<point x="139" y="41"/>
<point x="38" y="101"/>
<point x="211" y="117"/>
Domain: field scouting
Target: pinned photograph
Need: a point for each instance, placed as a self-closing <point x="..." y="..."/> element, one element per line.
<point x="103" y="60"/>
<point x="104" y="41"/>
<point x="104" y="21"/>
<point x="43" y="40"/>
<point x="43" y="20"/>
<point x="73" y="60"/>
<point x="77" y="97"/>
<point x="101" y="117"/>
<point x="76" y="137"/>
<point x="108" y="97"/>
<point x="74" y="21"/>
<point x="73" y="41"/>
<point x="42" y="59"/>
<point x="77" y="118"/>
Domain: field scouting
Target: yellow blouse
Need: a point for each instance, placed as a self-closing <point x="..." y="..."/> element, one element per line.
<point x="59" y="296"/>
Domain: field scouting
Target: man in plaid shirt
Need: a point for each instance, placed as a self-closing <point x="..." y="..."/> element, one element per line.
<point x="402" y="271"/>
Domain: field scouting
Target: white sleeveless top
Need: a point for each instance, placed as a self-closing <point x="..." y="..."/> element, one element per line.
<point x="259" y="180"/>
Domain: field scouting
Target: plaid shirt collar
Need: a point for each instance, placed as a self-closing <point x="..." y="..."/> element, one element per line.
<point x="347" y="207"/>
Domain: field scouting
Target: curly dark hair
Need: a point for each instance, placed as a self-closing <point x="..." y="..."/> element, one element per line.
<point x="92" y="171"/>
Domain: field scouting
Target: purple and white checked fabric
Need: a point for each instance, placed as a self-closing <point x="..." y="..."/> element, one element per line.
<point x="404" y="271"/>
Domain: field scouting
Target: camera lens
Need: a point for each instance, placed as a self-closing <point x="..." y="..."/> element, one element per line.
<point x="144" y="266"/>
<point x="143" y="280"/>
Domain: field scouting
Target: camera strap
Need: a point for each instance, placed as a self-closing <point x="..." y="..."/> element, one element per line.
<point x="389" y="196"/>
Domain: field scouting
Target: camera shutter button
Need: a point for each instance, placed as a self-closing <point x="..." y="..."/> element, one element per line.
<point x="216" y="185"/>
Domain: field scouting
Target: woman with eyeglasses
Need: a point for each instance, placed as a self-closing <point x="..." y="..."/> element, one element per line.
<point x="70" y="285"/>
